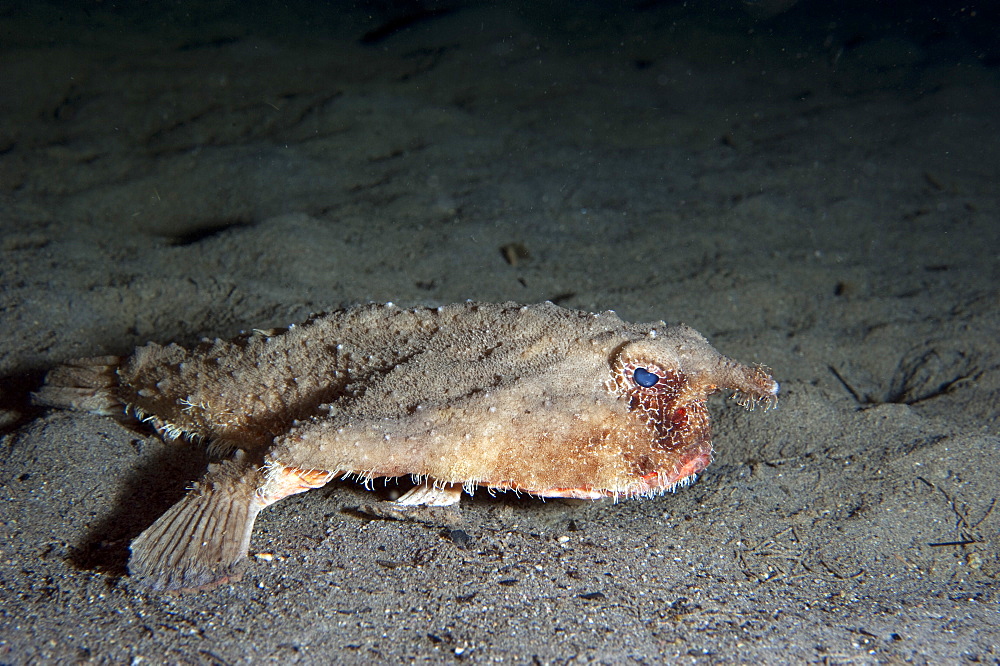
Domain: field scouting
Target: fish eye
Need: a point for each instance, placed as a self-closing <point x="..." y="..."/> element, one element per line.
<point x="644" y="377"/>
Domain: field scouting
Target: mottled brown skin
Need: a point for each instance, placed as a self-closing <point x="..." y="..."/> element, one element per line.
<point x="538" y="399"/>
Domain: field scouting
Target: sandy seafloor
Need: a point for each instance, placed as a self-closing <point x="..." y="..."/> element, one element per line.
<point x="816" y="191"/>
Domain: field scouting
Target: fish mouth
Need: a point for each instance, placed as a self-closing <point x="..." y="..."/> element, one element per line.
<point x="683" y="472"/>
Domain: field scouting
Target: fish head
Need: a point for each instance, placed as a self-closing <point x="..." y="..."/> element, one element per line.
<point x="664" y="381"/>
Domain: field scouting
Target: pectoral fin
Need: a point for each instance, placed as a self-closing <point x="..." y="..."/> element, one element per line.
<point x="202" y="540"/>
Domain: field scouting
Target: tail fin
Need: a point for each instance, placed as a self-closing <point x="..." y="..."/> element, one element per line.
<point x="84" y="384"/>
<point x="201" y="542"/>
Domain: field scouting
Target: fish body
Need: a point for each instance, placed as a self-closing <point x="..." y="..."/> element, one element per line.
<point x="538" y="399"/>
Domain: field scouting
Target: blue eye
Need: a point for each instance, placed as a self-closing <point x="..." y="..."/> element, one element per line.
<point x="644" y="377"/>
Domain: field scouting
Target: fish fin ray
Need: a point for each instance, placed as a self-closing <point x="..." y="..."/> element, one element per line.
<point x="202" y="540"/>
<point x="85" y="385"/>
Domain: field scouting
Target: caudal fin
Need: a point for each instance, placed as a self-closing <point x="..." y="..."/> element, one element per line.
<point x="201" y="541"/>
<point x="84" y="384"/>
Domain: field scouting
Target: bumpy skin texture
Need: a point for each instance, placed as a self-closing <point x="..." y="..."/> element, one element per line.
<point x="539" y="399"/>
